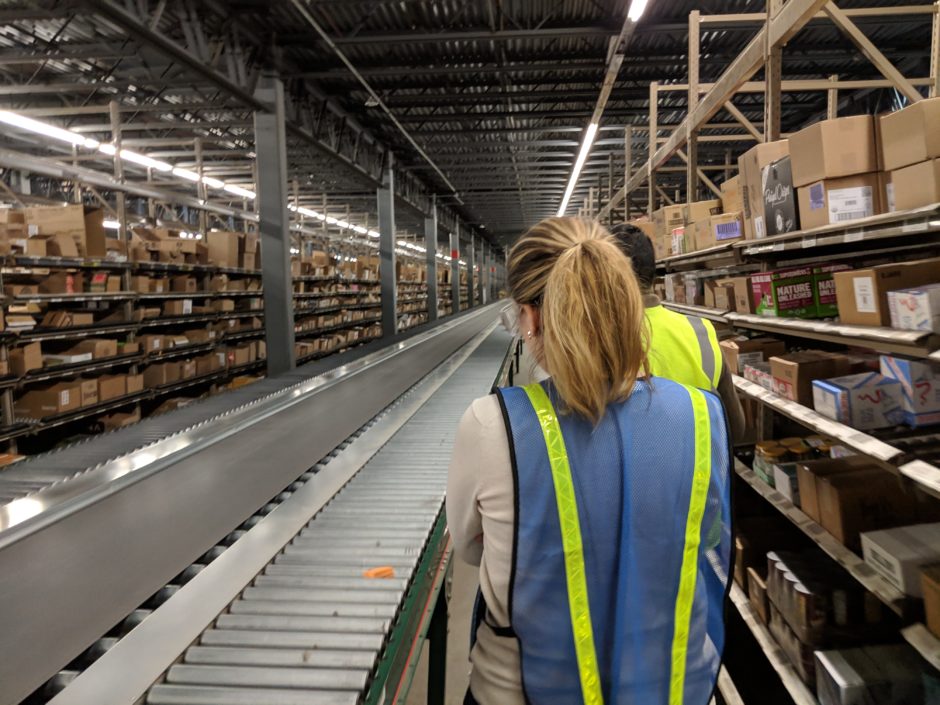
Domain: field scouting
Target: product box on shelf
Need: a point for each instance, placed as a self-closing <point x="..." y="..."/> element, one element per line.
<point x="161" y="373"/>
<point x="916" y="309"/>
<point x="930" y="586"/>
<point x="724" y="295"/>
<point x="759" y="373"/>
<point x="178" y="307"/>
<point x="61" y="246"/>
<point x="40" y="402"/>
<point x="757" y="594"/>
<point x="223" y="305"/>
<point x="780" y="209"/>
<point x="135" y="383"/>
<point x="188" y="369"/>
<point x="920" y="389"/>
<point x="910" y="135"/>
<point x="837" y="201"/>
<point x="694" y="290"/>
<point x="680" y="241"/>
<point x="25" y="358"/>
<point x="98" y="347"/>
<point x="863" y="401"/>
<point x="699" y="210"/>
<point x="785" y="293"/>
<point x="873" y="675"/>
<point x="898" y="554"/>
<point x="32" y="246"/>
<point x="916" y="185"/>
<point x="89" y="392"/>
<point x="824" y="286"/>
<point x="863" y="293"/>
<point x="223" y="248"/>
<point x="786" y="481"/>
<point x="184" y="284"/>
<point x="732" y="198"/>
<point x="743" y="294"/>
<point x="667" y="218"/>
<point x="794" y="373"/>
<point x="886" y="191"/>
<point x="84" y="224"/>
<point x="741" y="351"/>
<point x="111" y="387"/>
<point x="830" y="149"/>
<point x="67" y="319"/>
<point x="718" y="230"/>
<point x="66" y="358"/>
<point x="750" y="167"/>
<point x="673" y="284"/>
<point x="62" y="283"/>
<point x="152" y="342"/>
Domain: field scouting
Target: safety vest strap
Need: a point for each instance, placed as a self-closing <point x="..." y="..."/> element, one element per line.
<point x="701" y="477"/>
<point x="709" y="359"/>
<point x="572" y="545"/>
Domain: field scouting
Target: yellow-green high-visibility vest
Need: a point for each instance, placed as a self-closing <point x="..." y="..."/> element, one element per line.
<point x="683" y="348"/>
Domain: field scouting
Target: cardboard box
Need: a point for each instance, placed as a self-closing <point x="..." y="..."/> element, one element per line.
<point x="916" y="185"/>
<point x="89" y="392"/>
<point x="12" y="215"/>
<point x="920" y="389"/>
<point x="863" y="293"/>
<point x="98" y="347"/>
<point x="915" y="309"/>
<point x="700" y="210"/>
<point x="780" y="206"/>
<point x="33" y="246"/>
<point x="26" y="358"/>
<point x="824" y="289"/>
<point x="61" y="246"/>
<point x="750" y="167"/>
<point x="808" y="475"/>
<point x="864" y="401"/>
<point x="864" y="500"/>
<point x="38" y="403"/>
<point x="743" y="294"/>
<point x="162" y="373"/>
<point x="159" y="285"/>
<point x="85" y="225"/>
<point x="874" y="675"/>
<point x="67" y="319"/>
<point x="785" y="293"/>
<point x="794" y="373"/>
<point x="140" y="283"/>
<point x="930" y="586"/>
<point x="151" y="343"/>
<point x="786" y="481"/>
<point x="135" y="383"/>
<point x="886" y="191"/>
<point x="223" y="248"/>
<point x="757" y="594"/>
<point x="681" y="241"/>
<point x="667" y="218"/>
<point x="910" y="135"/>
<point x="250" y="242"/>
<point x="833" y="148"/>
<point x="66" y="358"/>
<point x="184" y="285"/>
<point x="718" y="230"/>
<point x="732" y="198"/>
<point x="724" y="295"/>
<point x="898" y="554"/>
<point x="741" y="351"/>
<point x="178" y="307"/>
<point x="187" y="369"/>
<point x="223" y="305"/>
<point x="62" y="283"/>
<point x="111" y="387"/>
<point x="836" y="201"/>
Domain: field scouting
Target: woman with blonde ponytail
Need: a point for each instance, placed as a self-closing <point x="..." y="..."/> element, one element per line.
<point x="595" y="503"/>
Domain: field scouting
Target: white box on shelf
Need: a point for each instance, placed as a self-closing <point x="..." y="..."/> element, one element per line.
<point x="898" y="554"/>
<point x="916" y="309"/>
<point x="920" y="389"/>
<point x="863" y="401"/>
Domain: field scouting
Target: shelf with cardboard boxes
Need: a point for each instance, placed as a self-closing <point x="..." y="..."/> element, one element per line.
<point x="827" y="304"/>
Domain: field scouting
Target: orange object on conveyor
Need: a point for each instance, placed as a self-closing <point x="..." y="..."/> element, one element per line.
<point x="384" y="571"/>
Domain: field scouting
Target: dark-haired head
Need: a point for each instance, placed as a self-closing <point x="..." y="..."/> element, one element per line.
<point x="634" y="243"/>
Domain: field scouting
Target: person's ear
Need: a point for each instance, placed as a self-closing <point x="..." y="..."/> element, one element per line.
<point x="531" y="321"/>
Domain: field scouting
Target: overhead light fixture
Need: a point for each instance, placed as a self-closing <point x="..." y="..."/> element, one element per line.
<point x="637" y="8"/>
<point x="239" y="191"/>
<point x="144" y="160"/>
<point x="107" y="148"/>
<point x="213" y="183"/>
<point x="42" y="128"/>
<point x="578" y="165"/>
<point x="111" y="224"/>
<point x="373" y="233"/>
<point x="186" y="174"/>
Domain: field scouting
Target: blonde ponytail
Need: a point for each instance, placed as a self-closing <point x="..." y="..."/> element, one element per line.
<point x="593" y="331"/>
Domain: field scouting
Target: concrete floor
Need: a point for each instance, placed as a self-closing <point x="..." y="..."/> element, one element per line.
<point x="463" y="594"/>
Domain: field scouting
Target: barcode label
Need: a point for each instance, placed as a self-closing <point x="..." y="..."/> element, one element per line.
<point x="850" y="215"/>
<point x="848" y="204"/>
<point x="727" y="231"/>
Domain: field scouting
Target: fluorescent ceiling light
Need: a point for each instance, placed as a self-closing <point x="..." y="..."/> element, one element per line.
<point x="343" y="224"/>
<point x="41" y="128"/>
<point x="239" y="191"/>
<point x="359" y="229"/>
<point x="330" y="220"/>
<point x="186" y="174"/>
<point x="107" y="148"/>
<point x="373" y="233"/>
<point x="637" y="8"/>
<point x="578" y="165"/>
<point x="144" y="160"/>
<point x="112" y="225"/>
<point x="213" y="183"/>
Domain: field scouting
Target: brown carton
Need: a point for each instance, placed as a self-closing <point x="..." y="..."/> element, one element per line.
<point x="910" y="135"/>
<point x="757" y="594"/>
<point x="62" y="283"/>
<point x="807" y="475"/>
<point x="833" y="148"/>
<point x="732" y="197"/>
<point x="862" y="294"/>
<point x="916" y="185"/>
<point x="750" y="166"/>
<point x="135" y="383"/>
<point x="161" y="374"/>
<point x="724" y="295"/>
<point x="250" y="242"/>
<point x="187" y="369"/>
<point x="837" y="201"/>
<point x="930" y="582"/>
<point x="140" y="283"/>
<point x="743" y="296"/>
<point x="38" y="403"/>
<point x="223" y="305"/>
<point x="61" y="246"/>
<point x="159" y="285"/>
<point x="12" y="215"/>
<point x="667" y="218"/>
<point x="794" y="373"/>
<point x="25" y="358"/>
<point x="89" y="392"/>
<point x="699" y="210"/>
<point x="741" y="351"/>
<point x="85" y="225"/>
<point x="718" y="230"/>
<point x="111" y="387"/>
<point x="223" y="247"/>
<point x="98" y="347"/>
<point x="184" y="285"/>
<point x="178" y="307"/>
<point x="151" y="343"/>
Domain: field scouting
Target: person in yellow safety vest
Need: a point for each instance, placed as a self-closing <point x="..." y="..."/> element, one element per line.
<point x="682" y="348"/>
<point x="596" y="503"/>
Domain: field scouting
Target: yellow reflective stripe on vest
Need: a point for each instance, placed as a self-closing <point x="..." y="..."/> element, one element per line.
<point x="701" y="477"/>
<point x="710" y="354"/>
<point x="572" y="545"/>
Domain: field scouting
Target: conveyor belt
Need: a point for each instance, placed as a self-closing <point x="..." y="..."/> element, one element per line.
<point x="309" y="628"/>
<point x="126" y="528"/>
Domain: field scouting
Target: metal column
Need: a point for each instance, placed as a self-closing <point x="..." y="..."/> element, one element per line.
<point x="455" y="270"/>
<point x="430" y="244"/>
<point x="387" y="271"/>
<point x="274" y="226"/>
<point x="471" y="278"/>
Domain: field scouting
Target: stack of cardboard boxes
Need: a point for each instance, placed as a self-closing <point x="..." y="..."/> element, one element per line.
<point x="911" y="152"/>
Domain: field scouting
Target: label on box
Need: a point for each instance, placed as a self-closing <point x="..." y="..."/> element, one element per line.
<point x="850" y="204"/>
<point x="64" y="397"/>
<point x="864" y="295"/>
<point x="759" y="231"/>
<point x="187" y="307"/>
<point x="817" y="197"/>
<point x="889" y="193"/>
<point x="749" y="358"/>
<point x="728" y="231"/>
<point x="32" y="230"/>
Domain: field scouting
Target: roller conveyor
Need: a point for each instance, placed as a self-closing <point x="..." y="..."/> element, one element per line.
<point x="307" y="626"/>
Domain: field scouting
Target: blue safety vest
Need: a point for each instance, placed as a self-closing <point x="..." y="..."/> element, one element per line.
<point x="622" y="546"/>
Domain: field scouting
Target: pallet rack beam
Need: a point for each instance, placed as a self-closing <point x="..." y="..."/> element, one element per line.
<point x="430" y="262"/>
<point x="387" y="250"/>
